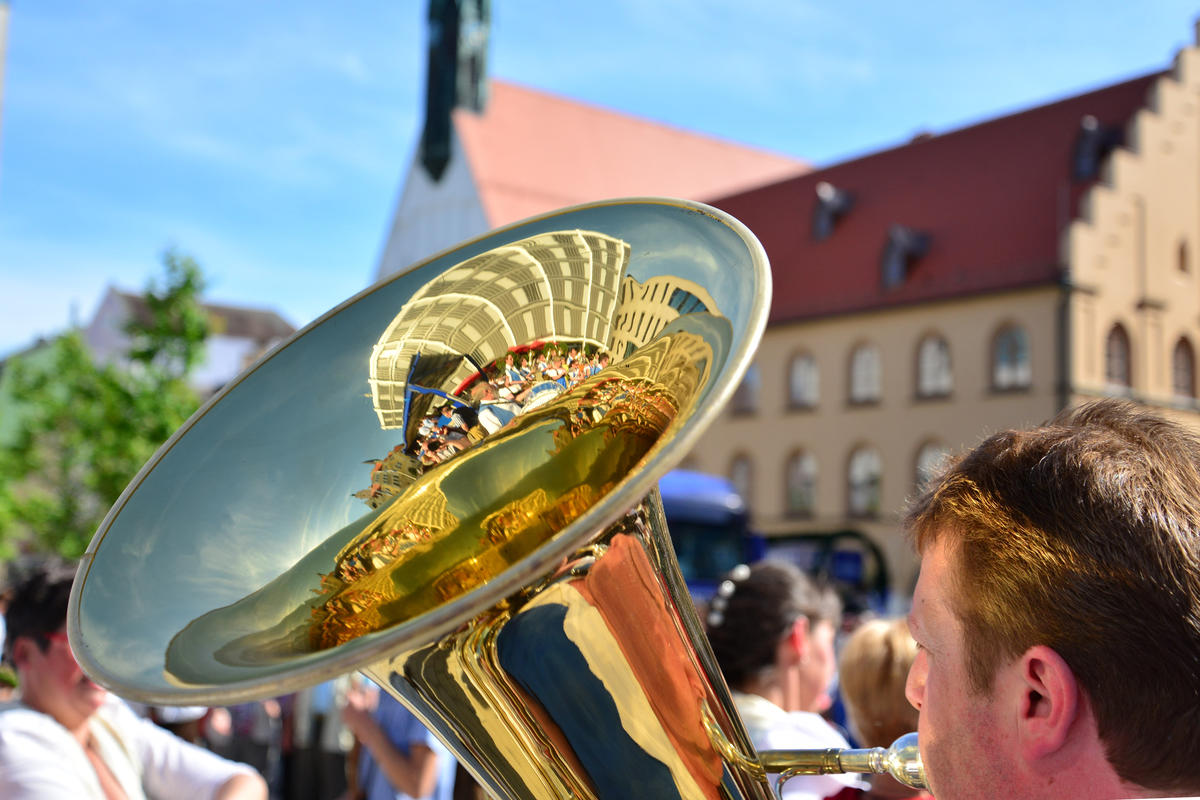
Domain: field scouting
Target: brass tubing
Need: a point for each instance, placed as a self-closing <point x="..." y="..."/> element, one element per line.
<point x="902" y="761"/>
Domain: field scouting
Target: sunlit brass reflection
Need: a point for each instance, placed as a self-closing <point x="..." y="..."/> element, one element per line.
<point x="442" y="536"/>
<point x="389" y="491"/>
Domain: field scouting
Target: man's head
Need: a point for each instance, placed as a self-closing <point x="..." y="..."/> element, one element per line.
<point x="483" y="392"/>
<point x="1068" y="553"/>
<point x="38" y="604"/>
<point x="50" y="679"/>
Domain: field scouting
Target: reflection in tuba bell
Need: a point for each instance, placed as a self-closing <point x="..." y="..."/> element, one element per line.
<point x="389" y="491"/>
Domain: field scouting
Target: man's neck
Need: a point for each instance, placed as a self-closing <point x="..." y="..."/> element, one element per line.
<point x="75" y="724"/>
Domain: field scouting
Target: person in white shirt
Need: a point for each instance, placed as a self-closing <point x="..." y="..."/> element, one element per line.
<point x="772" y="631"/>
<point x="65" y="736"/>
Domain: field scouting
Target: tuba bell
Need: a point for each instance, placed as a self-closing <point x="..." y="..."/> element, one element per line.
<point x="377" y="494"/>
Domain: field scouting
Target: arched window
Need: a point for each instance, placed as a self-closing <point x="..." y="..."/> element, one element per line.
<point x="801" y="484"/>
<point x="864" y="479"/>
<point x="741" y="473"/>
<point x="930" y="459"/>
<point x="864" y="374"/>
<point x="1182" y="261"/>
<point x="1117" y="371"/>
<point x="803" y="382"/>
<point x="745" y="399"/>
<point x="1183" y="369"/>
<point x="934" y="378"/>
<point x="1010" y="359"/>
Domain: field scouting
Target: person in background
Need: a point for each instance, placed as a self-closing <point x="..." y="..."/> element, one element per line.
<point x="8" y="678"/>
<point x="318" y="741"/>
<point x="873" y="669"/>
<point x="251" y="733"/>
<point x="66" y="737"/>
<point x="1057" y="612"/>
<point x="772" y="631"/>
<point x="400" y="759"/>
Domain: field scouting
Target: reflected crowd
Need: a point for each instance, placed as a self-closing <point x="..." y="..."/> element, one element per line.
<point x="500" y="395"/>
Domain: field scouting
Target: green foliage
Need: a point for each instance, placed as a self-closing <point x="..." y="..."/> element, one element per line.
<point x="83" y="430"/>
<point x="171" y="340"/>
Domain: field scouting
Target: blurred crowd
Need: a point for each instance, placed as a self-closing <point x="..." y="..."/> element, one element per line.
<point x="775" y="632"/>
<point x="806" y="676"/>
<point x="61" y="735"/>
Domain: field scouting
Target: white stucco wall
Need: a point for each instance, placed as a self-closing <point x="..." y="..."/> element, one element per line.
<point x="431" y="217"/>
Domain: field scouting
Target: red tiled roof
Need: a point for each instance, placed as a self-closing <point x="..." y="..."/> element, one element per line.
<point x="532" y="152"/>
<point x="994" y="197"/>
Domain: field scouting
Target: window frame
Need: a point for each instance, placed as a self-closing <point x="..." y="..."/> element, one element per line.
<point x="795" y="401"/>
<point x="873" y="396"/>
<point x="934" y="387"/>
<point x="739" y="459"/>
<point x="872" y="487"/>
<point x="748" y="395"/>
<point x="922" y="473"/>
<point x="1123" y="384"/>
<point x="1183" y="345"/>
<point x="808" y="485"/>
<point x="1021" y="365"/>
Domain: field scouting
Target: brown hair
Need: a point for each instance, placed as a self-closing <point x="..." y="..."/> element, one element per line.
<point x="755" y="608"/>
<point x="1082" y="535"/>
<point x="872" y="671"/>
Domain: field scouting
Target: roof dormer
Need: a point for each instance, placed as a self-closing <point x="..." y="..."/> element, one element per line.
<point x="1093" y="143"/>
<point x="903" y="248"/>
<point x="832" y="204"/>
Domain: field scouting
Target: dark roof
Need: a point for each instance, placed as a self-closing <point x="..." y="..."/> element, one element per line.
<point x="257" y="324"/>
<point x="994" y="198"/>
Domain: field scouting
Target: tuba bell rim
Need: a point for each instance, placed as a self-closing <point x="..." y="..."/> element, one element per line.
<point x="433" y="624"/>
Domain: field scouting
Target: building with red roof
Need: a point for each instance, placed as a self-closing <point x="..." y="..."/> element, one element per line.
<point x="531" y="152"/>
<point x="961" y="283"/>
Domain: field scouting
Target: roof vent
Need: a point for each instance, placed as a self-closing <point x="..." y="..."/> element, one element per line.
<point x="1092" y="145"/>
<point x="832" y="204"/>
<point x="903" y="248"/>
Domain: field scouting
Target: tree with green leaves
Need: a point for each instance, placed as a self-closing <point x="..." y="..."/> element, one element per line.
<point x="80" y="430"/>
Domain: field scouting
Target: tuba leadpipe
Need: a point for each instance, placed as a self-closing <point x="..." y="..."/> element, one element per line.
<point x="502" y="565"/>
<point x="901" y="760"/>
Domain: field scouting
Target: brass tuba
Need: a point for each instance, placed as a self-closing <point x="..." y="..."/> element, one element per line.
<point x="381" y="493"/>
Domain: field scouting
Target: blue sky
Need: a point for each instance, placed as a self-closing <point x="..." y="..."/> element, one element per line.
<point x="270" y="139"/>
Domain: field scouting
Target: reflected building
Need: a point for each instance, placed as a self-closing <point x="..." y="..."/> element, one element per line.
<point x="646" y="308"/>
<point x="557" y="286"/>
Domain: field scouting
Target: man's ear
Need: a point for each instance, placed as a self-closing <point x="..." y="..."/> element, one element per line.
<point x="796" y="640"/>
<point x="1049" y="702"/>
<point x="20" y="650"/>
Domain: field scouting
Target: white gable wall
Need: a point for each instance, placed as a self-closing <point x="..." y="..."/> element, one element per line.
<point x="224" y="356"/>
<point x="105" y="334"/>
<point x="431" y="217"/>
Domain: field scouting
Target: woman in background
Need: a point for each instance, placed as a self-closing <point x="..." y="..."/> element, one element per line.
<point x="772" y="631"/>
<point x="873" y="669"/>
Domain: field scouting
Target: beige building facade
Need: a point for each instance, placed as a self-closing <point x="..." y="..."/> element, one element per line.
<point x="1132" y="256"/>
<point x="819" y="460"/>
<point x="1064" y="271"/>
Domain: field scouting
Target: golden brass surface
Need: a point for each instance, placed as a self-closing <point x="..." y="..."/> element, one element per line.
<point x="500" y="565"/>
